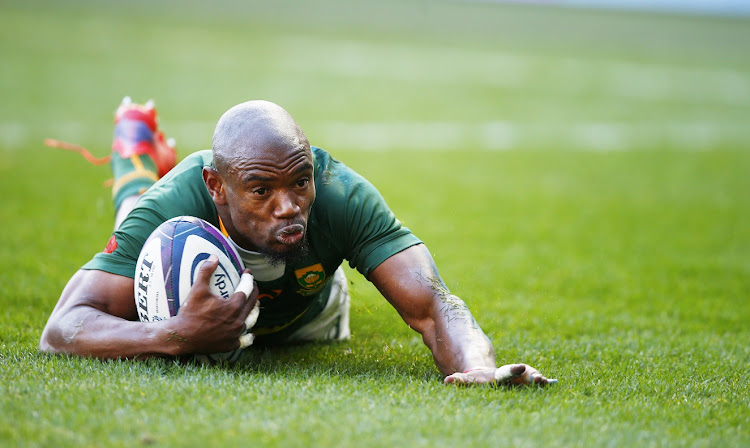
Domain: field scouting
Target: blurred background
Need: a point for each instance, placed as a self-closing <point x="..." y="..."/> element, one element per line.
<point x="578" y="169"/>
<point x="386" y="75"/>
<point x="515" y="131"/>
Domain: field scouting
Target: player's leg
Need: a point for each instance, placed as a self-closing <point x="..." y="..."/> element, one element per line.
<point x="124" y="209"/>
<point x="332" y="324"/>
<point x="140" y="155"/>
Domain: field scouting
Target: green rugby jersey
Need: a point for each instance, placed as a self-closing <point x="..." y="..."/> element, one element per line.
<point x="349" y="220"/>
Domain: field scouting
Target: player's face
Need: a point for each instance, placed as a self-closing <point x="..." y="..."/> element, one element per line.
<point x="270" y="194"/>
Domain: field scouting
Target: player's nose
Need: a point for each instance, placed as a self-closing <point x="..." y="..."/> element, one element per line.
<point x="286" y="206"/>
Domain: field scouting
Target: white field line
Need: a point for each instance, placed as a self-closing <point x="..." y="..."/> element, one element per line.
<point x="731" y="8"/>
<point x="608" y="78"/>
<point x="505" y="135"/>
<point x="443" y="136"/>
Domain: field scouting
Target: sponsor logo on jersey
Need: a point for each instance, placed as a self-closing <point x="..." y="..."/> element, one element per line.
<point x="312" y="278"/>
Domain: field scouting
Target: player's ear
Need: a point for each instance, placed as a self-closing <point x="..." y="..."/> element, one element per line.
<point x="215" y="185"/>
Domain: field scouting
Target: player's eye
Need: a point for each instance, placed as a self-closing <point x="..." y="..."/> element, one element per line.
<point x="260" y="191"/>
<point x="303" y="182"/>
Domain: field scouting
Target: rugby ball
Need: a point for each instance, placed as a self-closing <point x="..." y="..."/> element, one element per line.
<point x="168" y="266"/>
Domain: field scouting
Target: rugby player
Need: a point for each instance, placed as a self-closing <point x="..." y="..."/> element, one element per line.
<point x="294" y="213"/>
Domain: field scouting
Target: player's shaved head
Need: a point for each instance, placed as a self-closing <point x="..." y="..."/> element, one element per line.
<point x="254" y="126"/>
<point x="263" y="182"/>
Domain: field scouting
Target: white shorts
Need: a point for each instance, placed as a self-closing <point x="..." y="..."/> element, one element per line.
<point x="332" y="324"/>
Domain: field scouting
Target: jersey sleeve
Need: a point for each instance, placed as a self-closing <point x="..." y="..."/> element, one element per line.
<point x="364" y="227"/>
<point x="181" y="192"/>
<point x="126" y="242"/>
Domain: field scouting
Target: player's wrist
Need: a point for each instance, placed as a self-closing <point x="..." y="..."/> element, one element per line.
<point x="503" y="373"/>
<point x="499" y="374"/>
<point x="474" y="369"/>
<point x="169" y="339"/>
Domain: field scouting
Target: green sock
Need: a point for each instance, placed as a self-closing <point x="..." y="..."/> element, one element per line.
<point x="133" y="176"/>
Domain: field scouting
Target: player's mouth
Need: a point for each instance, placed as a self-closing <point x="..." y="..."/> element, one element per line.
<point x="291" y="234"/>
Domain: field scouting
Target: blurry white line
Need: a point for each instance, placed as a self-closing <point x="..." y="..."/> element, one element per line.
<point x="731" y="8"/>
<point x="445" y="136"/>
<point x="606" y="78"/>
<point x="503" y="135"/>
<point x="13" y="133"/>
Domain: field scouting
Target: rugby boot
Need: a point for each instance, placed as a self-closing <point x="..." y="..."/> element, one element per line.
<point x="140" y="154"/>
<point x="136" y="133"/>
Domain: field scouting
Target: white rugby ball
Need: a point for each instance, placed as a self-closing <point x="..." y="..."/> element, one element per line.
<point x="168" y="266"/>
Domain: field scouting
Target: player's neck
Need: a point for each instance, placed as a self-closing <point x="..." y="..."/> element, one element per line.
<point x="262" y="267"/>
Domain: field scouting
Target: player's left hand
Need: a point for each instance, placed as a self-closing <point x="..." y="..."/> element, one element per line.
<point x="510" y="374"/>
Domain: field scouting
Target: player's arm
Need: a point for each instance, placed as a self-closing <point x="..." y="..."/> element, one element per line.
<point x="410" y="281"/>
<point x="96" y="316"/>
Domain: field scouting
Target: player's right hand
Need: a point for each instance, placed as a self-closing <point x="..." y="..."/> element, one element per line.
<point x="510" y="374"/>
<point x="207" y="323"/>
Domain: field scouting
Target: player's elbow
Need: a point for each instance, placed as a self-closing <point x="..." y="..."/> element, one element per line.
<point x="46" y="344"/>
<point x="57" y="337"/>
<point x="46" y="347"/>
<point x="52" y="339"/>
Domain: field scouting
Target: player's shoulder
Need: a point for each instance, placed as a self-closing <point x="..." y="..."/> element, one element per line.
<point x="196" y="159"/>
<point x="182" y="190"/>
<point x="340" y="190"/>
<point x="187" y="172"/>
<point x="332" y="175"/>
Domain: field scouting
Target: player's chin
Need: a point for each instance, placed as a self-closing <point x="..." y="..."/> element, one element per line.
<point x="287" y="252"/>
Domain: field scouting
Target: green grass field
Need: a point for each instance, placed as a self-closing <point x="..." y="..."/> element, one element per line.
<point x="580" y="177"/>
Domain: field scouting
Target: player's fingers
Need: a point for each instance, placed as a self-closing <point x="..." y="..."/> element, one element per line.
<point x="246" y="340"/>
<point x="253" y="316"/>
<point x="519" y="374"/>
<point x="246" y="284"/>
<point x="246" y="287"/>
<point x="204" y="270"/>
<point x="458" y="378"/>
<point x="508" y="372"/>
<point x="249" y="299"/>
<point x="538" y="378"/>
